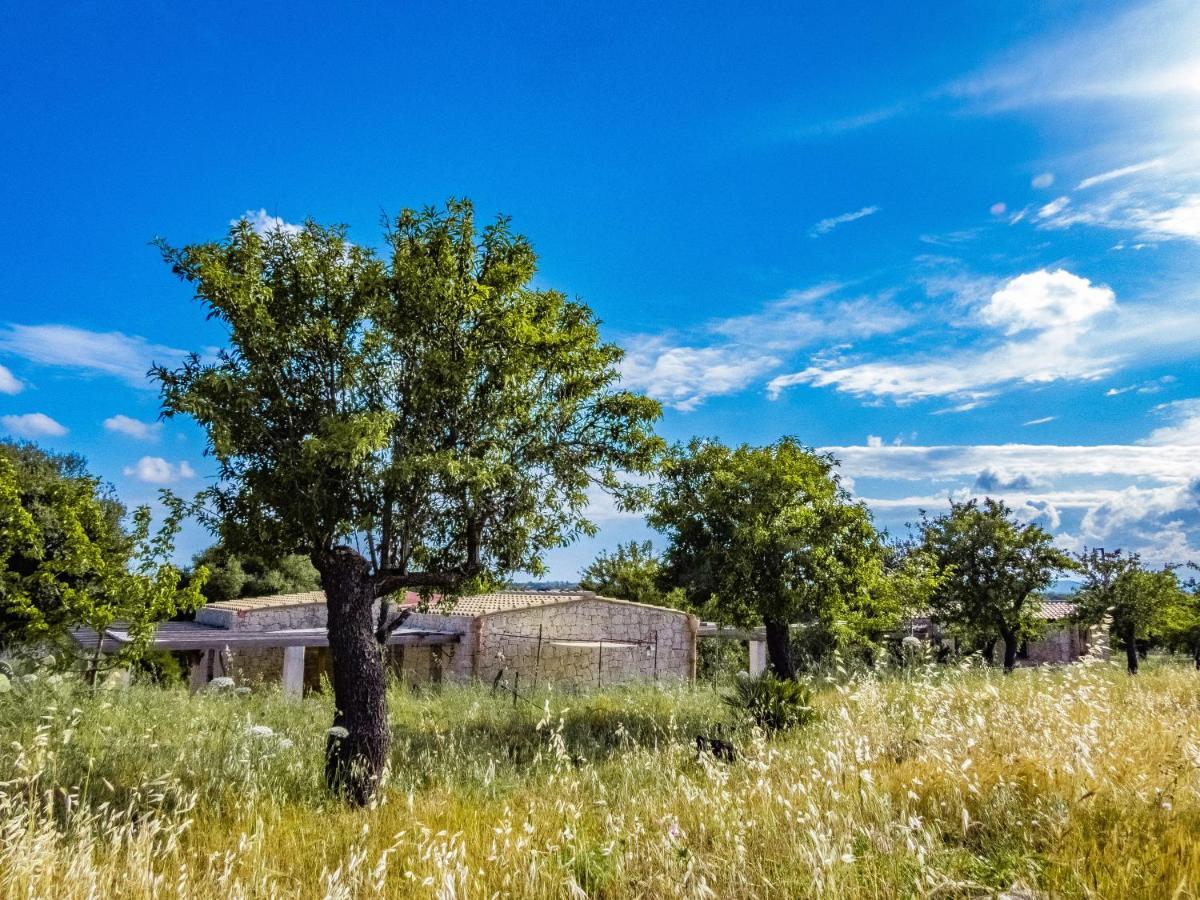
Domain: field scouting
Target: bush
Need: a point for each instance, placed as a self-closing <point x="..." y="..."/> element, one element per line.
<point x="773" y="703"/>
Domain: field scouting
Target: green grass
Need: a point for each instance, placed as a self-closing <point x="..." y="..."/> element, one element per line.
<point x="940" y="782"/>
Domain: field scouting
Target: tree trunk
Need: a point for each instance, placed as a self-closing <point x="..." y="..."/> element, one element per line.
<point x="1131" y="654"/>
<point x="354" y="760"/>
<point x="1196" y="657"/>
<point x="779" y="648"/>
<point x="989" y="651"/>
<point x="1011" y="644"/>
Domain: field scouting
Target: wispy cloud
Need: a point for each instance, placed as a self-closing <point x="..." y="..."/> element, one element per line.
<point x="32" y="425"/>
<point x="827" y="225"/>
<point x="128" y="357"/>
<point x="1123" y="172"/>
<point x="1042" y="421"/>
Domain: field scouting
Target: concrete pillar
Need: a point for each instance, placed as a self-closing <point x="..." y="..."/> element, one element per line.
<point x="293" y="671"/>
<point x="758" y="657"/>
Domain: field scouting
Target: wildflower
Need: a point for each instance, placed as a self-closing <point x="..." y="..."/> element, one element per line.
<point x="223" y="683"/>
<point x="260" y="731"/>
<point x="338" y="732"/>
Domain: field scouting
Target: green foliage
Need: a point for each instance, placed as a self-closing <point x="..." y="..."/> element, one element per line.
<point x="1141" y="605"/>
<point x="994" y="569"/>
<point x="631" y="572"/>
<point x="768" y="534"/>
<point x="234" y="575"/>
<point x="433" y="407"/>
<point x="772" y="703"/>
<point x="64" y="559"/>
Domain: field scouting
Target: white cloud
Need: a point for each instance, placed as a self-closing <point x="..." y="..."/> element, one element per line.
<point x="9" y="383"/>
<point x="684" y="377"/>
<point x="874" y="440"/>
<point x="134" y="428"/>
<point x="1056" y="308"/>
<point x="1042" y="300"/>
<point x="1122" y="172"/>
<point x="1042" y="421"/>
<point x="127" y="357"/>
<point x="32" y="425"/>
<point x="1053" y="208"/>
<point x="156" y="470"/>
<point x="1044" y="180"/>
<point x="827" y="225"/>
<point x="263" y="223"/>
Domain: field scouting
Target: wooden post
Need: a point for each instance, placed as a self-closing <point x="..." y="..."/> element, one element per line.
<point x="516" y="684"/>
<point x="758" y="657"/>
<point x="293" y="671"/>
<point x="656" y="654"/>
<point x="600" y="665"/>
<point x="537" y="662"/>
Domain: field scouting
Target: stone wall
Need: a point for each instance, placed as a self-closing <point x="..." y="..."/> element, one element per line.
<point x="301" y="615"/>
<point x="582" y="642"/>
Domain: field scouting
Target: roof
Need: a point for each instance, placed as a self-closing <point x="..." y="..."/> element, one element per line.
<point x="505" y="601"/>
<point x="281" y="601"/>
<point x="196" y="636"/>
<point x="1054" y="610"/>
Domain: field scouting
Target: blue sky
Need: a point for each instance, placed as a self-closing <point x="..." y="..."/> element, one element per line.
<point x="958" y="248"/>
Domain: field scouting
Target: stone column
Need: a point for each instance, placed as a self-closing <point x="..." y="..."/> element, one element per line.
<point x="758" y="657"/>
<point x="293" y="671"/>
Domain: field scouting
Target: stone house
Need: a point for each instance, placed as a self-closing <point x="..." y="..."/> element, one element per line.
<point x="526" y="637"/>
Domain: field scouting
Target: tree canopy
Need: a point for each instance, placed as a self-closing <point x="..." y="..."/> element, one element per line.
<point x="994" y="570"/>
<point x="1140" y="604"/>
<point x="417" y="419"/>
<point x="769" y="535"/>
<point x="633" y="571"/>
<point x="65" y="559"/>
<point x="232" y="575"/>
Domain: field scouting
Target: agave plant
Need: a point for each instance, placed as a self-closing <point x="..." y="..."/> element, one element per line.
<point x="773" y="703"/>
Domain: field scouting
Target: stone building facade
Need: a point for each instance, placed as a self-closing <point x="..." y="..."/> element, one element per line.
<point x="574" y="639"/>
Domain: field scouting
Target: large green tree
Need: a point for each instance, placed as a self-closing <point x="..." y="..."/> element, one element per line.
<point x="418" y="419"/>
<point x="66" y="560"/>
<point x="994" y="568"/>
<point x="1140" y="604"/>
<point x="768" y="535"/>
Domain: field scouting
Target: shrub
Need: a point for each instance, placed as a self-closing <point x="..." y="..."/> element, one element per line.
<point x="773" y="703"/>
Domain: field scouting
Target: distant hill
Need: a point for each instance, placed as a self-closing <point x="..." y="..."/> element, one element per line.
<point x="543" y="585"/>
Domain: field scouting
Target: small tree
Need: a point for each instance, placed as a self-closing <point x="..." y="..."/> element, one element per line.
<point x="994" y="569"/>
<point x="631" y="572"/>
<point x="422" y="421"/>
<point x="768" y="535"/>
<point x="1139" y="603"/>
<point x="1183" y="630"/>
<point x="63" y="564"/>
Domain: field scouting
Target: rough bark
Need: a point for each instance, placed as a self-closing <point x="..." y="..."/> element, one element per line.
<point x="1131" y="654"/>
<point x="1011" y="645"/>
<point x="356" y="759"/>
<point x="779" y="648"/>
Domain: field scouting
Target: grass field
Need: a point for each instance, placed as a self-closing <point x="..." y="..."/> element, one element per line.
<point x="940" y="782"/>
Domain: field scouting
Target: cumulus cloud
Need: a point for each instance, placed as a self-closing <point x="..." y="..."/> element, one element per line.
<point x="9" y="383"/>
<point x="32" y="425"/>
<point x="134" y="428"/>
<point x="156" y="470"/>
<point x="1042" y="299"/>
<point x="827" y="225"/>
<point x="996" y="480"/>
<point x="264" y="223"/>
<point x="123" y="356"/>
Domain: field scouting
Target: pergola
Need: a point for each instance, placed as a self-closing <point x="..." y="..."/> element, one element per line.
<point x="210" y="641"/>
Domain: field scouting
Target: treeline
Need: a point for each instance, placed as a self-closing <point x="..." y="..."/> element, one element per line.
<point x="769" y="536"/>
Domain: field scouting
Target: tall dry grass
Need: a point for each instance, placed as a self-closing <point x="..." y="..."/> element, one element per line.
<point x="1070" y="782"/>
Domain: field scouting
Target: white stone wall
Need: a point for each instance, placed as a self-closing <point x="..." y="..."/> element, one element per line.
<point x="305" y="615"/>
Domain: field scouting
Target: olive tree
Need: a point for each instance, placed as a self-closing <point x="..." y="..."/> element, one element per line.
<point x="994" y="569"/>
<point x="769" y="535"/>
<point x="420" y="418"/>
